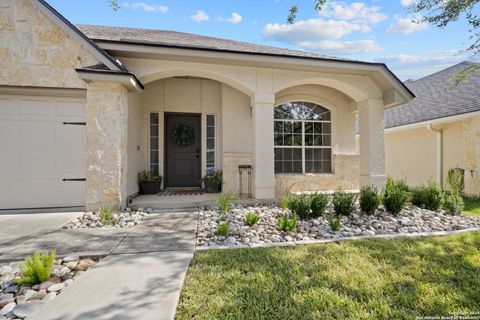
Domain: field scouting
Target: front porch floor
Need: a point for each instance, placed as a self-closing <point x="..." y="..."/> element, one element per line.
<point x="157" y="202"/>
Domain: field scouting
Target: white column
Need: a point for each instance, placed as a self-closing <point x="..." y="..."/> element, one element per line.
<point x="372" y="142"/>
<point x="107" y="135"/>
<point x="262" y="155"/>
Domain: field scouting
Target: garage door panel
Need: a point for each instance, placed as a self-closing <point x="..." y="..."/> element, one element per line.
<point x="38" y="151"/>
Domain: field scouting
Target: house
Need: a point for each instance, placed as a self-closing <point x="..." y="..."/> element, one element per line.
<point x="83" y="109"/>
<point x="437" y="131"/>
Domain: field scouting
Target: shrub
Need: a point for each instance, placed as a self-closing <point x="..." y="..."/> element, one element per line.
<point x="222" y="229"/>
<point x="106" y="214"/>
<point x="252" y="218"/>
<point x="335" y="223"/>
<point x="433" y="196"/>
<point x="300" y="204"/>
<point x="418" y="196"/>
<point x="454" y="204"/>
<point x="224" y="201"/>
<point x="395" y="195"/>
<point x="369" y="199"/>
<point x="287" y="224"/>
<point x="318" y="204"/>
<point x="455" y="180"/>
<point x="285" y="201"/>
<point x="36" y="269"/>
<point x="343" y="203"/>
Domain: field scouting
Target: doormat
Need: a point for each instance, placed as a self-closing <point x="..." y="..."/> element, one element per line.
<point x="168" y="193"/>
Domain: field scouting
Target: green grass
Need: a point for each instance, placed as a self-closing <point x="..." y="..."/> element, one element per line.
<point x="472" y="205"/>
<point x="368" y="279"/>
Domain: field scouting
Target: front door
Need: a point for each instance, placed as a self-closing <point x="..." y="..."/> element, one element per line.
<point x="182" y="150"/>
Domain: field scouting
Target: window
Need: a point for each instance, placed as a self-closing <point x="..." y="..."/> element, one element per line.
<point x="302" y="138"/>
<point x="154" y="142"/>
<point x="210" y="141"/>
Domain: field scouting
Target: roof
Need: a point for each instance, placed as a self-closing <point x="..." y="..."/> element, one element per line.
<point x="436" y="97"/>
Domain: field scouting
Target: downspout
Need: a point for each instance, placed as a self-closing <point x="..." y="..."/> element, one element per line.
<point x="439" y="152"/>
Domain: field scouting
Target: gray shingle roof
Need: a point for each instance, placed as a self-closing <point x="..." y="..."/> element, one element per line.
<point x="187" y="40"/>
<point x="437" y="98"/>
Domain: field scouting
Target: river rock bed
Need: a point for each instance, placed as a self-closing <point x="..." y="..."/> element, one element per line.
<point x="92" y="220"/>
<point x="22" y="301"/>
<point x="411" y="220"/>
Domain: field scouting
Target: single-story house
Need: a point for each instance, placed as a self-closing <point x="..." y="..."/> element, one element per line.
<point x="436" y="131"/>
<point x="84" y="108"/>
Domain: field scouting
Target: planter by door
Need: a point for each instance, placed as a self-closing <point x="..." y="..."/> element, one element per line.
<point x="151" y="187"/>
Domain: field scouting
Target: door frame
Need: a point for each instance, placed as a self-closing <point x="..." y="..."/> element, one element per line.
<point x="165" y="162"/>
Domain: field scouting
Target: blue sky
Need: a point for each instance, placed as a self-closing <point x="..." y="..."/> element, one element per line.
<point x="371" y="30"/>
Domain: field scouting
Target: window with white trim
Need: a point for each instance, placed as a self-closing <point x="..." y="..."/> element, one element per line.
<point x="302" y="138"/>
<point x="154" y="142"/>
<point x="210" y="141"/>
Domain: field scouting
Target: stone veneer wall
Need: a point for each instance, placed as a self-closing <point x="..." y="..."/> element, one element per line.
<point x="36" y="52"/>
<point x="471" y="144"/>
<point x="346" y="176"/>
<point x="107" y="135"/>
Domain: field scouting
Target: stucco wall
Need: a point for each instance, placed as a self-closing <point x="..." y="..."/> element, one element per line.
<point x="36" y="52"/>
<point x="134" y="142"/>
<point x="471" y="142"/>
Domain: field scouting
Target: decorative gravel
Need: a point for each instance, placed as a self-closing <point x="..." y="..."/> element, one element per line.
<point x="92" y="220"/>
<point x="411" y="220"/>
<point x="22" y="301"/>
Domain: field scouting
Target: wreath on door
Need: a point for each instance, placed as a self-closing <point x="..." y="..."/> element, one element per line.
<point x="183" y="135"/>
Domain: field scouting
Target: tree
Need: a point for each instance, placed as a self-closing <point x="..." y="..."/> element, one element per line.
<point x="292" y="15"/>
<point x="114" y="4"/>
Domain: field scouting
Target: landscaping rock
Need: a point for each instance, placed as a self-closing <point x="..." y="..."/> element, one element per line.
<point x="45" y="285"/>
<point x="6" y="270"/>
<point x="38" y="295"/>
<point x="6" y="299"/>
<point x="85" y="264"/>
<point x="93" y="220"/>
<point x="27" y="309"/>
<point x="70" y="259"/>
<point x="56" y="287"/>
<point x="49" y="296"/>
<point x="6" y="309"/>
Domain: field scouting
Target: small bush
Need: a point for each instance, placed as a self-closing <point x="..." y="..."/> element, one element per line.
<point x="335" y="223"/>
<point x="222" y="229"/>
<point x="455" y="180"/>
<point x="395" y="195"/>
<point x="318" y="204"/>
<point x="454" y="204"/>
<point x="287" y="224"/>
<point x="369" y="199"/>
<point x="252" y="218"/>
<point x="224" y="201"/>
<point x="433" y="196"/>
<point x="418" y="196"/>
<point x="36" y="269"/>
<point x="106" y="214"/>
<point x="300" y="204"/>
<point x="343" y="203"/>
<point x="285" y="201"/>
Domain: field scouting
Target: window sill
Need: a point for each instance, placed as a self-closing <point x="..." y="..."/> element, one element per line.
<point x="306" y="174"/>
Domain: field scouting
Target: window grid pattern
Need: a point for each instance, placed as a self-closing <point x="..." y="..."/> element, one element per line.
<point x="210" y="150"/>
<point x="302" y="138"/>
<point x="154" y="142"/>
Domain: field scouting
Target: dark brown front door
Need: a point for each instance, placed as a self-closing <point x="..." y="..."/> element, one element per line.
<point x="182" y="150"/>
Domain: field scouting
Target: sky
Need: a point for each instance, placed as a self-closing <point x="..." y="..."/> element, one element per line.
<point x="370" y="30"/>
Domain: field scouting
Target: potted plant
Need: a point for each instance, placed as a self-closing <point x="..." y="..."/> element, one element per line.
<point x="213" y="181"/>
<point x="149" y="182"/>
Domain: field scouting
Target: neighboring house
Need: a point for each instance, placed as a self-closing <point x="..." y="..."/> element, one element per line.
<point x="83" y="109"/>
<point x="437" y="131"/>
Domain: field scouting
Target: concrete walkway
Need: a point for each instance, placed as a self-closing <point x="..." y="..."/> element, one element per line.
<point x="140" y="278"/>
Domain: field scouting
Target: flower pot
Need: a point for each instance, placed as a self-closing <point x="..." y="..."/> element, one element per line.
<point x="150" y="187"/>
<point x="213" y="187"/>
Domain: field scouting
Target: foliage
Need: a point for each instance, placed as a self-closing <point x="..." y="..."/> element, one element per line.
<point x="252" y="218"/>
<point x="455" y="180"/>
<point x="285" y="201"/>
<point x="222" y="229"/>
<point x="106" y="214"/>
<point x="343" y="203"/>
<point x="318" y="204"/>
<point x="288" y="224"/>
<point x="433" y="196"/>
<point x="395" y="195"/>
<point x="224" y="201"/>
<point x="214" y="177"/>
<point x="292" y="14"/>
<point x="300" y="204"/>
<point x="369" y="199"/>
<point x="418" y="196"/>
<point x="472" y="204"/>
<point x="335" y="223"/>
<point x="149" y="176"/>
<point x="36" y="269"/>
<point x="454" y="204"/>
<point x="114" y="5"/>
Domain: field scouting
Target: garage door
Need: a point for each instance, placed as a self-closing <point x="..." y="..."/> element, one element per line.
<point x="42" y="152"/>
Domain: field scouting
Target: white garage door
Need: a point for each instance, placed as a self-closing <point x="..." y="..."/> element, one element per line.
<point x="42" y="142"/>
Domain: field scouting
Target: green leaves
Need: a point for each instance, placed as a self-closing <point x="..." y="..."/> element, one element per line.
<point x="252" y="218"/>
<point x="222" y="229"/>
<point x="36" y="269"/>
<point x="292" y="15"/>
<point x="369" y="199"/>
<point x="286" y="224"/>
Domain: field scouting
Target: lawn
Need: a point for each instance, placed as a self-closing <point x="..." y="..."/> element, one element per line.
<point x="368" y="279"/>
<point x="472" y="205"/>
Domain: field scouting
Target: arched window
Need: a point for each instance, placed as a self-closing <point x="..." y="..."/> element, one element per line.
<point x="303" y="138"/>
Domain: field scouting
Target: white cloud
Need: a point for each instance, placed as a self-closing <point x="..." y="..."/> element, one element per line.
<point x="234" y="18"/>
<point x="321" y="35"/>
<point x="200" y="16"/>
<point x="407" y="25"/>
<point x="146" y="7"/>
<point x="407" y="3"/>
<point x="357" y="12"/>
